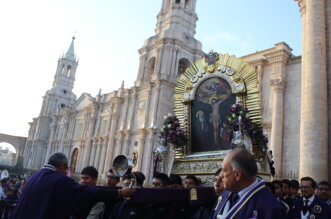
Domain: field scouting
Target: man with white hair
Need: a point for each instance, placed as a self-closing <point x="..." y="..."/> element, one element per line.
<point x="245" y="195"/>
<point x="50" y="194"/>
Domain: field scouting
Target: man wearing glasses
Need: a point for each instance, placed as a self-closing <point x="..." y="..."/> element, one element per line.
<point x="160" y="181"/>
<point x="309" y="206"/>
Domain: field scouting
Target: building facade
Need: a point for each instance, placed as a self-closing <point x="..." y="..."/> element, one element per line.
<point x="294" y="94"/>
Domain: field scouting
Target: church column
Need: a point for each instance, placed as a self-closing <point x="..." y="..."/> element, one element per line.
<point x="64" y="135"/>
<point x="50" y="141"/>
<point x="118" y="144"/>
<point x="278" y="59"/>
<point x="147" y="157"/>
<point x="276" y="143"/>
<point x="103" y="155"/>
<point x="133" y="108"/>
<point x="314" y="111"/>
<point x="90" y="132"/>
<point x="155" y="104"/>
<point x="148" y="105"/>
<point x="126" y="143"/>
<point x="125" y="114"/>
<point x="110" y="146"/>
<point x="142" y="136"/>
<point x="97" y="153"/>
<point x="93" y="150"/>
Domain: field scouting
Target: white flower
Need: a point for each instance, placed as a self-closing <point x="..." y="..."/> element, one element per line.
<point x="169" y="126"/>
<point x="165" y="117"/>
<point x="169" y="114"/>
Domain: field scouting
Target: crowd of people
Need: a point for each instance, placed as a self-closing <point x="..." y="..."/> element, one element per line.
<point x="238" y="193"/>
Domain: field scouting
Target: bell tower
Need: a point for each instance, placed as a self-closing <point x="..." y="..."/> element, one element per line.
<point x="173" y="47"/>
<point x="61" y="95"/>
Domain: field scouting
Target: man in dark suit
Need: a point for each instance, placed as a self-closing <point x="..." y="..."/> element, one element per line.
<point x="50" y="194"/>
<point x="323" y="192"/>
<point x="287" y="192"/>
<point x="245" y="196"/>
<point x="309" y="205"/>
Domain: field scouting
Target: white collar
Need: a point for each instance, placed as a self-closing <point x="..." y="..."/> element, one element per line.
<point x="242" y="192"/>
<point x="50" y="167"/>
<point x="310" y="200"/>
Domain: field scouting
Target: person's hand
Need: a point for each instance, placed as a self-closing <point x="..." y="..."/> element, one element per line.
<point x="126" y="192"/>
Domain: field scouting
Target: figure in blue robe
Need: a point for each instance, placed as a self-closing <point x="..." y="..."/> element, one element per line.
<point x="259" y="203"/>
<point x="49" y="194"/>
<point x="318" y="209"/>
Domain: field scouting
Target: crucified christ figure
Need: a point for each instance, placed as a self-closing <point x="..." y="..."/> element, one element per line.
<point x="215" y="117"/>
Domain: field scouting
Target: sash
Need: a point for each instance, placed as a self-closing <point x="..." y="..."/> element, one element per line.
<point x="49" y="167"/>
<point x="239" y="205"/>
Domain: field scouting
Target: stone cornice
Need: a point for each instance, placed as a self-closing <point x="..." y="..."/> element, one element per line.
<point x="302" y="5"/>
<point x="278" y="56"/>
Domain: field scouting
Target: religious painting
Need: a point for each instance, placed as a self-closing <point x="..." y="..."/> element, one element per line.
<point x="209" y="110"/>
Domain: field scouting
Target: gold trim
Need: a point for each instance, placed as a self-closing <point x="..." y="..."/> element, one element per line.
<point x="194" y="173"/>
<point x="241" y="75"/>
<point x="206" y="159"/>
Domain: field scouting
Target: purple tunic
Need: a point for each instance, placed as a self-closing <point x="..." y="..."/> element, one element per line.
<point x="50" y="194"/>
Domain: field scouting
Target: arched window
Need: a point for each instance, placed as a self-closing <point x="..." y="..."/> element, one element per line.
<point x="183" y="65"/>
<point x="186" y="4"/>
<point x="149" y="69"/>
<point x="177" y="1"/>
<point x="68" y="71"/>
<point x="62" y="70"/>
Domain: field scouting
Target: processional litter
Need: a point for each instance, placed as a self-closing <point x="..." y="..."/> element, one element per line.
<point x="216" y="108"/>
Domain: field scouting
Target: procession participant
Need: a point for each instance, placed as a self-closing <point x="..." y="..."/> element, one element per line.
<point x="139" y="178"/>
<point x="191" y="181"/>
<point x="309" y="205"/>
<point x="271" y="187"/>
<point x="89" y="177"/>
<point x="112" y="180"/>
<point x="294" y="189"/>
<point x="278" y="194"/>
<point x="323" y="192"/>
<point x="287" y="192"/>
<point x="218" y="183"/>
<point x="160" y="181"/>
<point x="245" y="196"/>
<point x="50" y="194"/>
<point x="175" y="182"/>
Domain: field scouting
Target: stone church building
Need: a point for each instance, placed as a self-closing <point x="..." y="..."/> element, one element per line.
<point x="294" y="91"/>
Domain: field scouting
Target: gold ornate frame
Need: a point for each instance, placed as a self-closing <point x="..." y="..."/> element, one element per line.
<point x="239" y="74"/>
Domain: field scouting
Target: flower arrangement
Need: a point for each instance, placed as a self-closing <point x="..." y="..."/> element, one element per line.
<point x="172" y="133"/>
<point x="239" y="120"/>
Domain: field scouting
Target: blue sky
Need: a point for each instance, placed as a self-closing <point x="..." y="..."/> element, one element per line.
<point x="108" y="35"/>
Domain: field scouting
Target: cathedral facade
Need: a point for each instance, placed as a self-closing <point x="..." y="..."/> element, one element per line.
<point x="294" y="94"/>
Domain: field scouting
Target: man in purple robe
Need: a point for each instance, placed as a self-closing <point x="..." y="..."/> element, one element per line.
<point x="50" y="194"/>
<point x="245" y="196"/>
